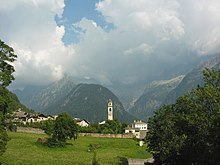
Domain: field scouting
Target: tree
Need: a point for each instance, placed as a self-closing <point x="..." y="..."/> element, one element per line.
<point x="7" y="56"/>
<point x="188" y="132"/>
<point x="48" y="127"/>
<point x="3" y="135"/>
<point x="112" y="127"/>
<point x="64" y="128"/>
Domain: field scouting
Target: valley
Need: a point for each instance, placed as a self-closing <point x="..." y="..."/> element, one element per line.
<point x="84" y="99"/>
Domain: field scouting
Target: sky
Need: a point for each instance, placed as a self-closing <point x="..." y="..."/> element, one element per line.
<point x="109" y="40"/>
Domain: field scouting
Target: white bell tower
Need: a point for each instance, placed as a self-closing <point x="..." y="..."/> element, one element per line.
<point x="110" y="110"/>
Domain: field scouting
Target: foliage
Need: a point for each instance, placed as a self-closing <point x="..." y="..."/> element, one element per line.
<point x="111" y="126"/>
<point x="94" y="159"/>
<point x="188" y="131"/>
<point x="3" y="100"/>
<point x="11" y="126"/>
<point x="3" y="135"/>
<point x="53" y="143"/>
<point x="48" y="127"/>
<point x="64" y="128"/>
<point x="7" y="56"/>
<point x="92" y="128"/>
<point x="93" y="147"/>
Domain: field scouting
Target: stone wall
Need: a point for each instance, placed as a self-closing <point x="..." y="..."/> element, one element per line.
<point x="40" y="131"/>
<point x="30" y="130"/>
<point x="126" y="136"/>
<point x="140" y="161"/>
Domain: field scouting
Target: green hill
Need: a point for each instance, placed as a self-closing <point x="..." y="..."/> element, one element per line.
<point x="12" y="100"/>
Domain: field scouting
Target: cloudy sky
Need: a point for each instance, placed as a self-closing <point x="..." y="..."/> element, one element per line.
<point x="109" y="40"/>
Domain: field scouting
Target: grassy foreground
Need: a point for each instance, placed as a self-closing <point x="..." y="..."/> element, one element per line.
<point x="23" y="149"/>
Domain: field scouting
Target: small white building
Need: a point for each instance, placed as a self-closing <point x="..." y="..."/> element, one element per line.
<point x="138" y="129"/>
<point x="139" y="124"/>
<point x="102" y="122"/>
<point x="81" y="122"/>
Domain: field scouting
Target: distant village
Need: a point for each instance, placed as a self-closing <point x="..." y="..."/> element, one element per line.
<point x="20" y="116"/>
<point x="138" y="128"/>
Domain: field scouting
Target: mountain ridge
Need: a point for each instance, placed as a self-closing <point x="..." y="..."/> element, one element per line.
<point x="89" y="101"/>
<point x="153" y="96"/>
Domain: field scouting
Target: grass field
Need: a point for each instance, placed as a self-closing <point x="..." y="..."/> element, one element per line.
<point x="23" y="149"/>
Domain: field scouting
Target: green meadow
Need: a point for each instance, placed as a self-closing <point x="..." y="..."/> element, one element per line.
<point x="23" y="149"/>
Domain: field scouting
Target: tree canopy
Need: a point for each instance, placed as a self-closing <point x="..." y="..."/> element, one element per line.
<point x="64" y="128"/>
<point x="188" y="132"/>
<point x="7" y="56"/>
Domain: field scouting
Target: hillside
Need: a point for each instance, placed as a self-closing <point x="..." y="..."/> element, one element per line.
<point x="153" y="97"/>
<point x="192" y="80"/>
<point x="40" y="98"/>
<point x="12" y="100"/>
<point x="89" y="101"/>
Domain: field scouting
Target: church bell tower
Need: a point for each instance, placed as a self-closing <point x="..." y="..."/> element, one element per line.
<point x="110" y="110"/>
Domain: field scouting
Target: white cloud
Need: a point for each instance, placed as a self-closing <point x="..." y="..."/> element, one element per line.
<point x="202" y="20"/>
<point x="30" y="28"/>
<point x="143" y="49"/>
<point x="144" y="15"/>
<point x="149" y="37"/>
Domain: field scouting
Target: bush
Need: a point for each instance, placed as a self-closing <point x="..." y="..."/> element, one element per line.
<point x="53" y="143"/>
<point x="11" y="127"/>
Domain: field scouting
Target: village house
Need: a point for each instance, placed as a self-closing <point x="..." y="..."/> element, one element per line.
<point x="139" y="124"/>
<point x="20" y="116"/>
<point x="138" y="129"/>
<point x="36" y="118"/>
<point x="81" y="122"/>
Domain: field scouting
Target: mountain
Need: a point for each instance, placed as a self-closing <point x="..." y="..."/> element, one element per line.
<point x="12" y="101"/>
<point x="27" y="93"/>
<point x="192" y="79"/>
<point x="40" y="98"/>
<point x="127" y="93"/>
<point x="89" y="101"/>
<point x="153" y="96"/>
